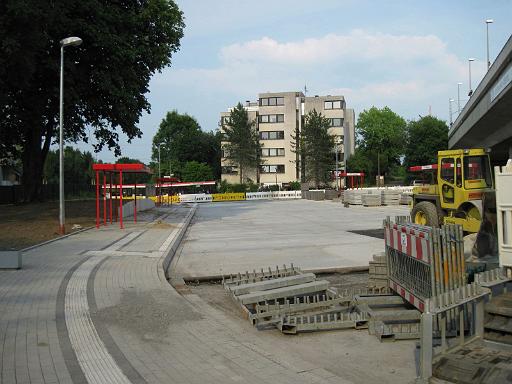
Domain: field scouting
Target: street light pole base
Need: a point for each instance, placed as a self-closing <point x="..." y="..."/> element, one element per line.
<point x="62" y="229"/>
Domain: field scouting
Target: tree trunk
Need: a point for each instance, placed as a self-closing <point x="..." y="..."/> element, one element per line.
<point x="33" y="157"/>
<point x="241" y="176"/>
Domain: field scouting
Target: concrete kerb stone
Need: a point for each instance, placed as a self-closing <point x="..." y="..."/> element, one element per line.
<point x="56" y="239"/>
<point x="316" y="271"/>
<point x="170" y="251"/>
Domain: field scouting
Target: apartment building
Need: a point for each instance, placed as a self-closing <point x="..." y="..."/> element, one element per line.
<point x="278" y="117"/>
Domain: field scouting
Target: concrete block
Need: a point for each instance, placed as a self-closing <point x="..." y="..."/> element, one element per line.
<point x="273" y="284"/>
<point x="10" y="259"/>
<point x="280" y="293"/>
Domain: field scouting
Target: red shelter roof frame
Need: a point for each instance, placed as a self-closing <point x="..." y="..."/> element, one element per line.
<point x="112" y="170"/>
<point x="358" y="177"/>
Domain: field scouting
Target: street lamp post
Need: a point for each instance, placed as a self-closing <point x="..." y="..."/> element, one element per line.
<point x="450" y="111"/>
<point x="69" y="41"/>
<point x="336" y="148"/>
<point x="159" y="172"/>
<point x="470" y="88"/>
<point x="487" y="22"/>
<point x="458" y="96"/>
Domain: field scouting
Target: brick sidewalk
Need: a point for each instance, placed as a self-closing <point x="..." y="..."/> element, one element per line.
<point x="95" y="308"/>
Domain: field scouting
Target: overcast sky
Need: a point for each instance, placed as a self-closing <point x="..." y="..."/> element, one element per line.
<point x="408" y="55"/>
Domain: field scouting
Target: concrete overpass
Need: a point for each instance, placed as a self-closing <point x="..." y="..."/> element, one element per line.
<point x="486" y="120"/>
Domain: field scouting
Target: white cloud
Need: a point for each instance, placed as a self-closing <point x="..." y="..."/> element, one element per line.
<point x="406" y="72"/>
<point x="357" y="45"/>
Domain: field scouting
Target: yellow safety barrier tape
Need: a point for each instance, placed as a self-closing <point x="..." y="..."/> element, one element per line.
<point x="228" y="196"/>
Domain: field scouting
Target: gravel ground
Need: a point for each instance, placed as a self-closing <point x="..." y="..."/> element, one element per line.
<point x="24" y="225"/>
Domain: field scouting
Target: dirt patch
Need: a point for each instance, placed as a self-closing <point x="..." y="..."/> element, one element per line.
<point x="346" y="281"/>
<point x="27" y="224"/>
<point x="216" y="296"/>
<point x="162" y="225"/>
<point x="147" y="315"/>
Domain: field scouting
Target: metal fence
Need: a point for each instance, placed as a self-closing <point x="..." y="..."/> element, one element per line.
<point x="14" y="194"/>
<point x="424" y="262"/>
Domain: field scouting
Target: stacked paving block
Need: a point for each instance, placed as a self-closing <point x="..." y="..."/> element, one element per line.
<point x="371" y="200"/>
<point x="378" y="273"/>
<point x="354" y="196"/>
<point x="390" y="197"/>
<point x="405" y="198"/>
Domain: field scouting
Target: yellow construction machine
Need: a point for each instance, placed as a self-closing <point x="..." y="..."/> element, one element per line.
<point x="461" y="191"/>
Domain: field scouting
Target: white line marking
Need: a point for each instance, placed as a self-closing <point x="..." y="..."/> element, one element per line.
<point x="96" y="362"/>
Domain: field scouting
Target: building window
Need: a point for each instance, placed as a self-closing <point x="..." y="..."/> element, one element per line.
<point x="336" y="122"/>
<point x="272" y="152"/>
<point x="272" y="168"/>
<point x="229" y="170"/>
<point x="279" y="118"/>
<point x="272" y="135"/>
<point x="271" y="101"/>
<point x="333" y="104"/>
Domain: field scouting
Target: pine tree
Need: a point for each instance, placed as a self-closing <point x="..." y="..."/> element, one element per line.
<point x="316" y="148"/>
<point x="242" y="147"/>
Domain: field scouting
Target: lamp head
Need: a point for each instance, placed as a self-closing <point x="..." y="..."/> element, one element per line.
<point x="71" y="41"/>
<point x="471" y="59"/>
<point x="489" y="21"/>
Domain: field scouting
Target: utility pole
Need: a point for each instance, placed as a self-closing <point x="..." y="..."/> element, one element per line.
<point x="487" y="22"/>
<point x="450" y="101"/>
<point x="470" y="87"/>
<point x="336" y="150"/>
<point x="67" y="42"/>
<point x="159" y="170"/>
<point x="458" y="96"/>
<point x="378" y="169"/>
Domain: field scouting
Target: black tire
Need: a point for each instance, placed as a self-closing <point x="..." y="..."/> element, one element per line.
<point x="429" y="211"/>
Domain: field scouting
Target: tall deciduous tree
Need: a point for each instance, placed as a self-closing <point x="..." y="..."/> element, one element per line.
<point x="106" y="78"/>
<point x="316" y="146"/>
<point x="181" y="140"/>
<point x="425" y="137"/>
<point x="194" y="171"/>
<point x="77" y="167"/>
<point x="242" y="147"/>
<point x="381" y="137"/>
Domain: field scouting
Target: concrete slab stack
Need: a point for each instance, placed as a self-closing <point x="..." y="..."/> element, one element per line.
<point x="292" y="301"/>
<point x="390" y="196"/>
<point x="354" y="196"/>
<point x="371" y="200"/>
<point x="331" y="194"/>
<point x="405" y="198"/>
<point x="378" y="272"/>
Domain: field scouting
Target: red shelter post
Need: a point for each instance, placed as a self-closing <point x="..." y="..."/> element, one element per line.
<point x="135" y="201"/>
<point x="97" y="199"/>
<point x="104" y="198"/>
<point x="121" y="199"/>
<point x="110" y="195"/>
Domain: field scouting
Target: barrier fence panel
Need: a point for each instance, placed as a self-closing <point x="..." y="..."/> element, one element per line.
<point x="423" y="261"/>
<point x="504" y="213"/>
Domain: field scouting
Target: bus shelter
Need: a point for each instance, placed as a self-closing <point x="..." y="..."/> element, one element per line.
<point x="110" y="172"/>
<point x="355" y="179"/>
